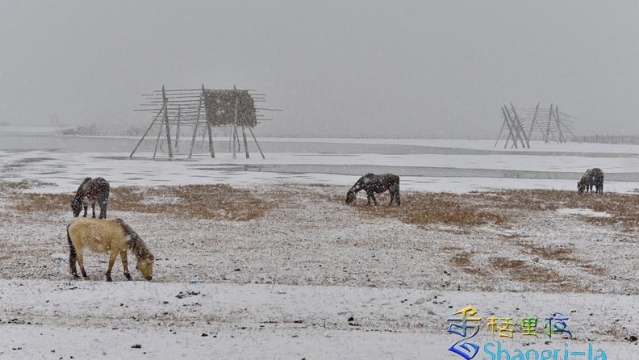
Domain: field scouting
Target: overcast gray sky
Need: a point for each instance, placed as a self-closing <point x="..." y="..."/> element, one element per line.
<point x="336" y="68"/>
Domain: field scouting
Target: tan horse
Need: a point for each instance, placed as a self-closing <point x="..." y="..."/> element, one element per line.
<point x="102" y="235"/>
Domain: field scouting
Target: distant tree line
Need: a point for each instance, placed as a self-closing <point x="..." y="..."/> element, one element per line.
<point x="610" y="139"/>
<point x="94" y="130"/>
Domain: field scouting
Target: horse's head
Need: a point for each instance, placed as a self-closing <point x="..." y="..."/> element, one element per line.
<point x="350" y="196"/>
<point x="581" y="187"/>
<point x="76" y="206"/>
<point x="145" y="265"/>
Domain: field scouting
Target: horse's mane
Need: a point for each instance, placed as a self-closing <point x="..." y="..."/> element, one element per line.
<point x="77" y="193"/>
<point x="136" y="243"/>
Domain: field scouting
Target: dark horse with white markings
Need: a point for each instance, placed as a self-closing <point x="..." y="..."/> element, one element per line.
<point x="372" y="184"/>
<point x="90" y="191"/>
<point x="592" y="177"/>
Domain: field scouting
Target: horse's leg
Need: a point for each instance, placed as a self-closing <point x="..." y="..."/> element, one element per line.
<point x="85" y="205"/>
<point x="125" y="264"/>
<point x="72" y="260"/>
<point x="394" y="193"/>
<point x="72" y="256"/>
<point x="81" y="263"/>
<point x="112" y="257"/>
<point x="103" y="209"/>
<point x="93" y="208"/>
<point x="372" y="196"/>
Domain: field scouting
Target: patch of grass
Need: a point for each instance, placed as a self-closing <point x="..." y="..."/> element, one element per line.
<point x="192" y="201"/>
<point x="559" y="253"/>
<point x="429" y="208"/>
<point x="21" y="185"/>
<point x="534" y="273"/>
<point x="29" y="202"/>
<point x="462" y="261"/>
<point x="623" y="208"/>
<point x="478" y="208"/>
<point x="594" y="269"/>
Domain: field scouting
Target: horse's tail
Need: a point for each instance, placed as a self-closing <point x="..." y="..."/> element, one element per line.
<point x="73" y="255"/>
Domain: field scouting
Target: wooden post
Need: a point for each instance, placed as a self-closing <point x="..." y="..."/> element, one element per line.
<point x="197" y="121"/>
<point x="166" y="122"/>
<point x="510" y="129"/>
<point x="157" y="140"/>
<point x="548" y="127"/>
<point x="516" y="136"/>
<point x="210" y="132"/>
<point x="147" y="131"/>
<point x="510" y="133"/>
<point x="256" y="143"/>
<point x="235" y="122"/>
<point x="500" y="131"/>
<point x="561" y="134"/>
<point x="177" y="133"/>
<point x="245" y="143"/>
<point x="521" y="127"/>
<point x="533" y="121"/>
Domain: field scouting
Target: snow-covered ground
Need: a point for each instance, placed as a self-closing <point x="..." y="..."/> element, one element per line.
<point x="313" y="279"/>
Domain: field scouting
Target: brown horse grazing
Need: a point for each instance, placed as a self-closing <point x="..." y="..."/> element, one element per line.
<point x="372" y="184"/>
<point x="90" y="191"/>
<point x="592" y="177"/>
<point x="107" y="235"/>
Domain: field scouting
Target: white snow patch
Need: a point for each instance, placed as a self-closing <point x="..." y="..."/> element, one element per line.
<point x="583" y="212"/>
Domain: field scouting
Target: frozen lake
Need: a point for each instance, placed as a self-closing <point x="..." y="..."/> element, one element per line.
<point x="425" y="165"/>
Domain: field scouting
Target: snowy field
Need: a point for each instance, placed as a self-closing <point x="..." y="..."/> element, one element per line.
<point x="312" y="277"/>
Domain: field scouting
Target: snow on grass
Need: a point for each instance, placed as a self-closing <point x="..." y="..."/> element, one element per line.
<point x="583" y="212"/>
<point x="395" y="284"/>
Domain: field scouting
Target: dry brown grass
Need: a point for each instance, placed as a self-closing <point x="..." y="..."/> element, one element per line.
<point x="7" y="186"/>
<point x="192" y="201"/>
<point x="475" y="208"/>
<point x="28" y="203"/>
<point x="428" y="208"/>
<point x="559" y="253"/>
<point x="462" y="260"/>
<point x="623" y="208"/>
<point x="530" y="272"/>
<point x="563" y="253"/>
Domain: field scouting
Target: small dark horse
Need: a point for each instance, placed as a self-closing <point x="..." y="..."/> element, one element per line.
<point x="592" y="177"/>
<point x="90" y="191"/>
<point x="372" y="184"/>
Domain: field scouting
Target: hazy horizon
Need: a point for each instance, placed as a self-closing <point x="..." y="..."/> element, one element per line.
<point x="348" y="69"/>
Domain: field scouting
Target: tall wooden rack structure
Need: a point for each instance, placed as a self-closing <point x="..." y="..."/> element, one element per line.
<point x="524" y="125"/>
<point x="203" y="109"/>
